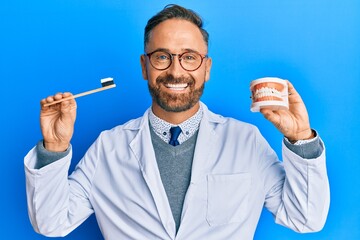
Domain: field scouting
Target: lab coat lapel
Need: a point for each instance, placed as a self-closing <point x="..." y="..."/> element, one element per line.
<point x="205" y="144"/>
<point x="143" y="149"/>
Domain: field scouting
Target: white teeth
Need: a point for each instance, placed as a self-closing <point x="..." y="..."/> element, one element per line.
<point x="267" y="92"/>
<point x="180" y="86"/>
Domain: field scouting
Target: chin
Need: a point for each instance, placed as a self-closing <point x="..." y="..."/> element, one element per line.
<point x="178" y="102"/>
<point x="175" y="106"/>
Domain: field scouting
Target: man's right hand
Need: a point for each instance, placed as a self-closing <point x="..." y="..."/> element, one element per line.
<point x="57" y="122"/>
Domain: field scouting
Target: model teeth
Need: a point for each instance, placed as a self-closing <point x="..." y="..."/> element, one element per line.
<point x="267" y="92"/>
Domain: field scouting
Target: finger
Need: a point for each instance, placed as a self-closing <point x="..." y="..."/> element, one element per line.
<point x="68" y="97"/>
<point x="43" y="101"/>
<point x="50" y="99"/>
<point x="291" y="88"/>
<point x="58" y="96"/>
<point x="53" y="98"/>
<point x="67" y="94"/>
<point x="46" y="100"/>
<point x="294" y="96"/>
<point x="69" y="104"/>
<point x="270" y="115"/>
<point x="276" y="117"/>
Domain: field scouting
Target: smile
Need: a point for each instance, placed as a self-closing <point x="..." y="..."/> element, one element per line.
<point x="176" y="87"/>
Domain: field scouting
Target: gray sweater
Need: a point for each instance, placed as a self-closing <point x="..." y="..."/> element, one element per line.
<point x="175" y="170"/>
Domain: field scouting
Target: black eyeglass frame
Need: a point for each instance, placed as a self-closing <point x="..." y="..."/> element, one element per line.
<point x="172" y="55"/>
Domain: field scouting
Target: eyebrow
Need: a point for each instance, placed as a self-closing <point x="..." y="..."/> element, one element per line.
<point x="183" y="50"/>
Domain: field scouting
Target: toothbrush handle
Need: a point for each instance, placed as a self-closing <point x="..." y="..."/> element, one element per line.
<point x="80" y="95"/>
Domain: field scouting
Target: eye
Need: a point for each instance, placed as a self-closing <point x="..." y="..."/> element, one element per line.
<point x="189" y="57"/>
<point x="161" y="56"/>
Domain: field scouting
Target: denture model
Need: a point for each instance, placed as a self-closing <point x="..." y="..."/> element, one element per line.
<point x="269" y="92"/>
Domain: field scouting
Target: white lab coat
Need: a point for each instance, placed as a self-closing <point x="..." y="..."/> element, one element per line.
<point x="234" y="173"/>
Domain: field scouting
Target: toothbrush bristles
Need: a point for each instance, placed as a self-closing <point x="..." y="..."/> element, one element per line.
<point x="107" y="82"/>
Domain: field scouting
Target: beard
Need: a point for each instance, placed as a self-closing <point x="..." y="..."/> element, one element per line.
<point x="176" y="102"/>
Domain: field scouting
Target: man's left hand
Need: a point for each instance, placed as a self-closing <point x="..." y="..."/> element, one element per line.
<point x="294" y="122"/>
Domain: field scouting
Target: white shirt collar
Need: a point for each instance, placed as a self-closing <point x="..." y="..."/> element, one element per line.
<point x="188" y="127"/>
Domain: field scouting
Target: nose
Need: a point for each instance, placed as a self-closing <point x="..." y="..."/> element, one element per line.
<point x="175" y="67"/>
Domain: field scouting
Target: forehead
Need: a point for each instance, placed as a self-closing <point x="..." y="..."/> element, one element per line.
<point x="176" y="35"/>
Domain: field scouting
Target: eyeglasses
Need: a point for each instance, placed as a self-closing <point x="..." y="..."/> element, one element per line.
<point x="162" y="60"/>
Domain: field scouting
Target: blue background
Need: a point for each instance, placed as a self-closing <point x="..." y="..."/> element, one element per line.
<point x="69" y="45"/>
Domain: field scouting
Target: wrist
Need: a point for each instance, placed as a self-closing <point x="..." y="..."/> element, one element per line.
<point x="305" y="135"/>
<point x="56" y="147"/>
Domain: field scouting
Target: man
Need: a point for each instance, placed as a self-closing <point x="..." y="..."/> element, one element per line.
<point x="210" y="182"/>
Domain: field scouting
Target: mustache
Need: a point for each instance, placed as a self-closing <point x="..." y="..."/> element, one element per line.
<point x="169" y="78"/>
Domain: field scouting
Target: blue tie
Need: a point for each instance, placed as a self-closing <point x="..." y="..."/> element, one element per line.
<point x="175" y="132"/>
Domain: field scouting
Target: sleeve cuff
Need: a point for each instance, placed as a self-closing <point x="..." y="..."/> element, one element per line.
<point x="45" y="157"/>
<point x="308" y="149"/>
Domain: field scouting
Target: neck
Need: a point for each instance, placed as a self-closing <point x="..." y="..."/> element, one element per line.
<point x="174" y="117"/>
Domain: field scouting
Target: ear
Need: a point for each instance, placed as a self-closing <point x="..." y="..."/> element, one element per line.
<point x="143" y="66"/>
<point x="208" y="64"/>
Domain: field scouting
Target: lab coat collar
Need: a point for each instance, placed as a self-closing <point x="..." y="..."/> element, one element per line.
<point x="143" y="121"/>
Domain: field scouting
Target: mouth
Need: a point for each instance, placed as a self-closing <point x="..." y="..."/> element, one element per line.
<point x="176" y="87"/>
<point x="268" y="91"/>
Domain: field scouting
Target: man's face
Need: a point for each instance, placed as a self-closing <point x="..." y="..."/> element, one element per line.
<point x="175" y="89"/>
